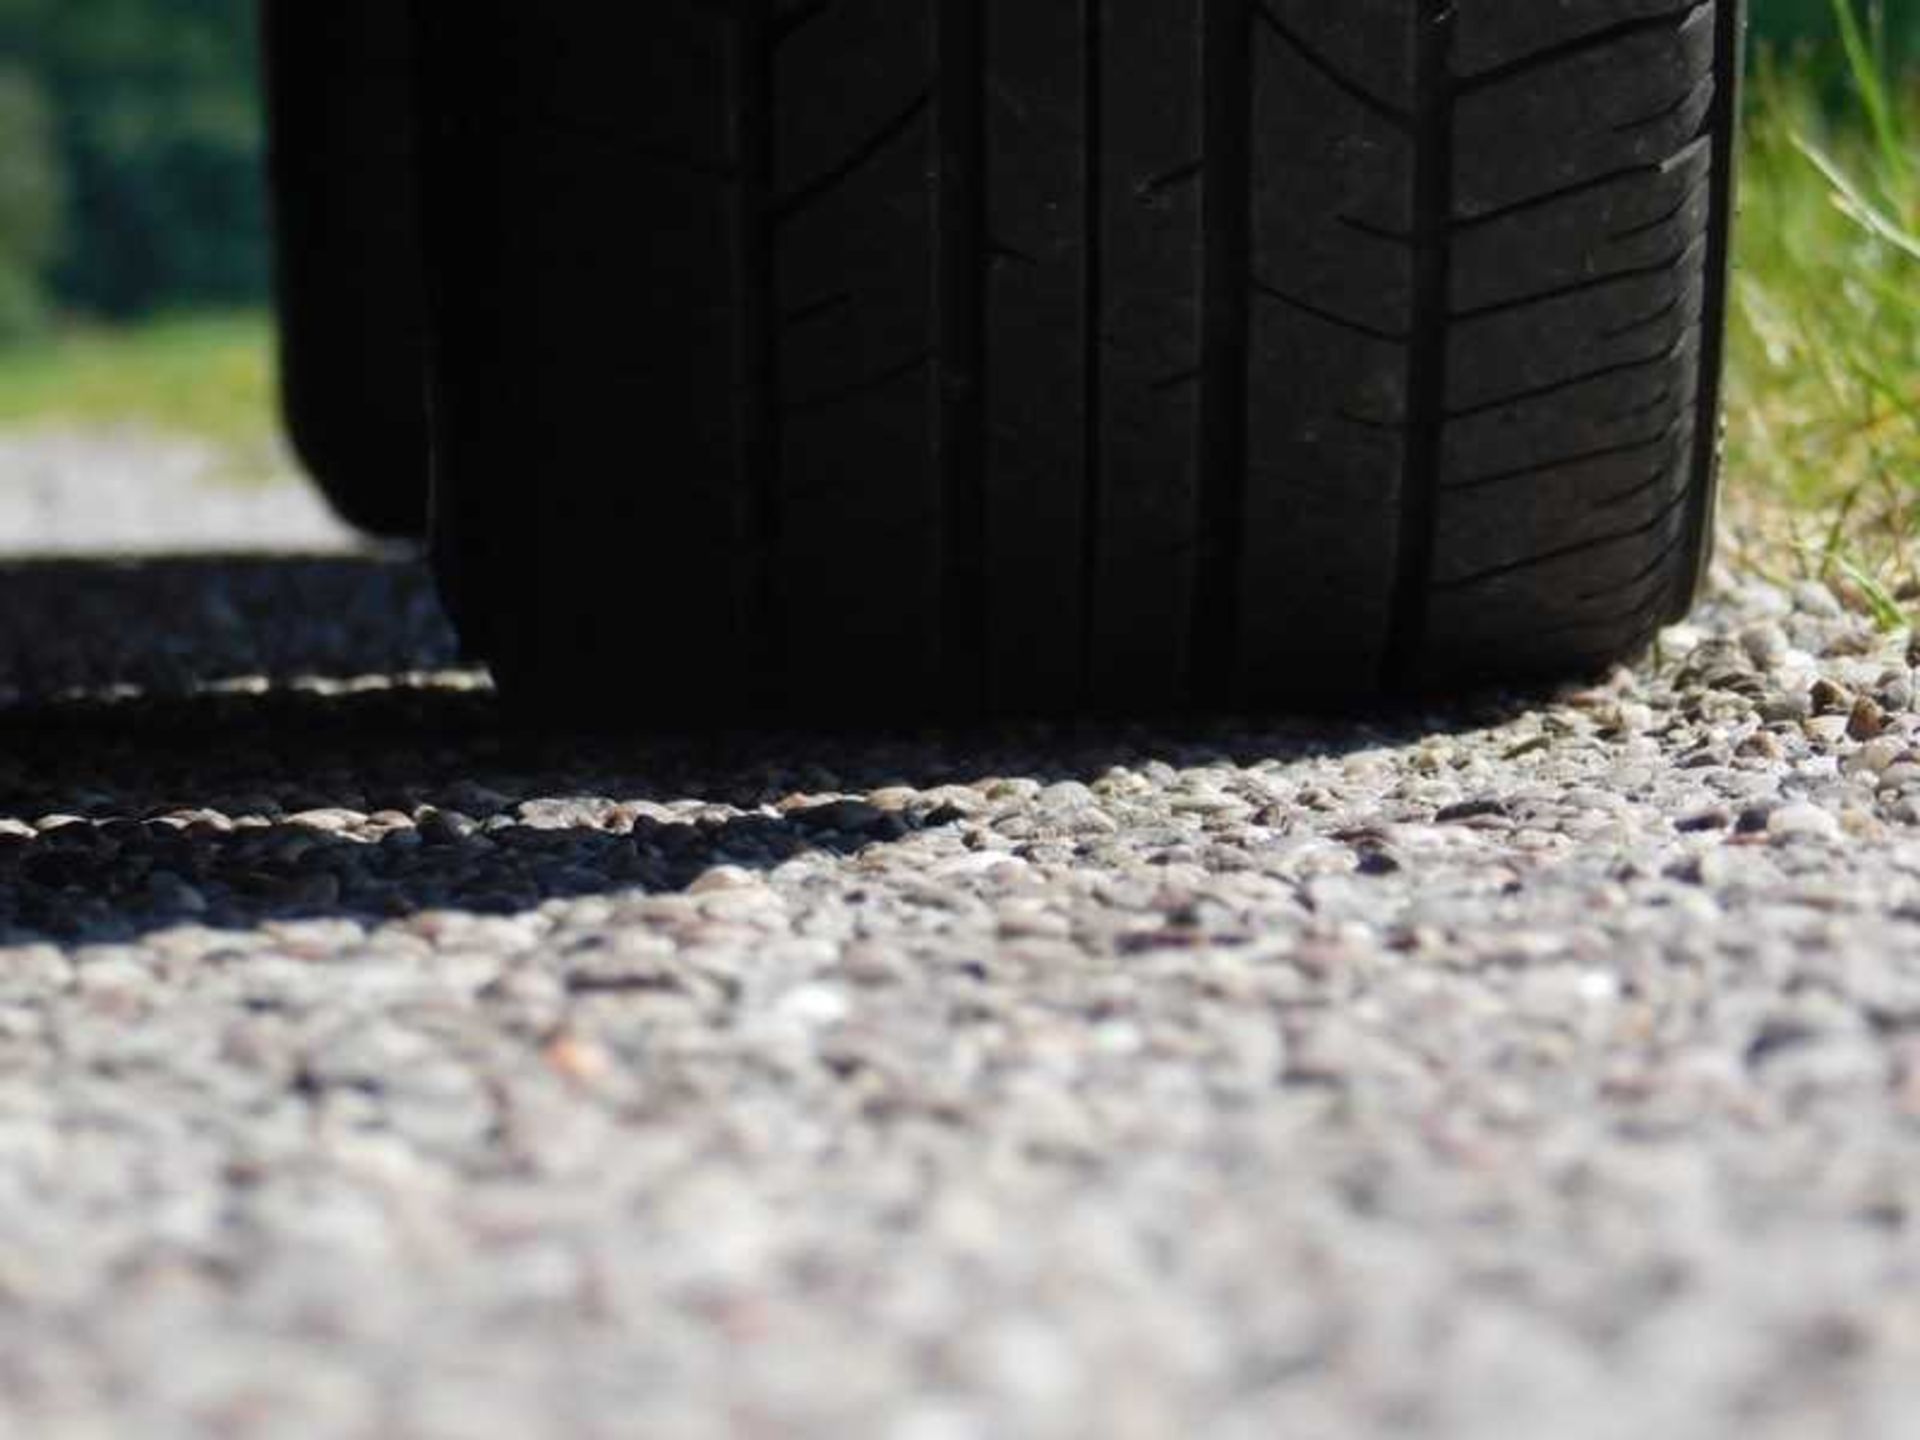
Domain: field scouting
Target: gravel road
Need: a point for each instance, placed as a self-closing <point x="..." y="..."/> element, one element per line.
<point x="1542" y="1068"/>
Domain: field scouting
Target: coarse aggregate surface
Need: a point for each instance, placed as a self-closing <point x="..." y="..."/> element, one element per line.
<point x="1538" y="1066"/>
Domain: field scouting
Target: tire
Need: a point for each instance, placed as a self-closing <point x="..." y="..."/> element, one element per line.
<point x="347" y="265"/>
<point x="879" y="357"/>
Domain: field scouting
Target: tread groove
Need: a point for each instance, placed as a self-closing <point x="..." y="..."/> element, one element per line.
<point x="1572" y="382"/>
<point x="1226" y="260"/>
<point x="1553" y="197"/>
<point x="1580" y="45"/>
<point x="1428" y="355"/>
<point x="1394" y="115"/>
<point x="759" y="421"/>
<point x="1666" y="217"/>
<point x="1562" y="462"/>
<point x="1332" y="317"/>
<point x="865" y="385"/>
<point x="874" y="145"/>
<point x="1650" y="571"/>
<point x="1092" y="344"/>
<point x="958" y="416"/>
<point x="1658" y="270"/>
<point x="1568" y="551"/>
<point x="1622" y="498"/>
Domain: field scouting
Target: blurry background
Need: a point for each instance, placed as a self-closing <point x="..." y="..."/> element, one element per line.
<point x="132" y="230"/>
<point x="136" y="360"/>
<point x="134" y="259"/>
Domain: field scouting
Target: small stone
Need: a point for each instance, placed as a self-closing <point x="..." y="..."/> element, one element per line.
<point x="1376" y="862"/>
<point x="1810" y="597"/>
<point x="1065" y="795"/>
<point x="1761" y="745"/>
<point x="1827" y="730"/>
<point x="1829" y="698"/>
<point x="1875" y="757"/>
<point x="1777" y="1036"/>
<point x="167" y="891"/>
<point x="845" y="817"/>
<point x="445" y="827"/>
<point x="1629" y="717"/>
<point x="577" y="1060"/>
<point x="1867" y="720"/>
<point x="815" y="1004"/>
<point x="1707" y="869"/>
<point x="871" y="963"/>
<point x="1790" y="708"/>
<point x="1766" y="645"/>
<point x="1801" y="821"/>
<point x="330" y="821"/>
<point x="1707" y="757"/>
<point x="1902" y="774"/>
<point x="725" y="879"/>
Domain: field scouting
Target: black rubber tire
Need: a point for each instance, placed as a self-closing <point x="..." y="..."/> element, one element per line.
<point x="347" y="264"/>
<point x="888" y="356"/>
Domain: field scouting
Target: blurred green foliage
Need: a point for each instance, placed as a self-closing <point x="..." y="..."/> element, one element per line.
<point x="130" y="176"/>
<point x="1788" y="22"/>
<point x="1804" y="36"/>
<point x="1824" y="384"/>
<point x="32" y="203"/>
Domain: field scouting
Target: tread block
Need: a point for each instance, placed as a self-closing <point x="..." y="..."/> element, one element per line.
<point x="1635" y="222"/>
<point x="1152" y="179"/>
<point x="1036" y="334"/>
<point x="1496" y="33"/>
<point x="1585" y="117"/>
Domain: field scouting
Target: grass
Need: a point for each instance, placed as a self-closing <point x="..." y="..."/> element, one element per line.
<point x="208" y="376"/>
<point x="1824" y="386"/>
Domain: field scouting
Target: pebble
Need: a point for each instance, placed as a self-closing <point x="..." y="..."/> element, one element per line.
<point x="1876" y="757"/>
<point x="1803" y="822"/>
<point x="1866" y="720"/>
<point x="1829" y="698"/>
<point x="1827" y="730"/>
<point x="1812" y="598"/>
<point x="846" y="817"/>
<point x="331" y="821"/>
<point x="723" y="879"/>
<point x="1766" y="644"/>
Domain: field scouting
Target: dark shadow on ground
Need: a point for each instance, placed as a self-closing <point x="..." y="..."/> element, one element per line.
<point x="211" y="720"/>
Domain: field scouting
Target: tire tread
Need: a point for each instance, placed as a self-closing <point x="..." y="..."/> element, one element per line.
<point x="1095" y="356"/>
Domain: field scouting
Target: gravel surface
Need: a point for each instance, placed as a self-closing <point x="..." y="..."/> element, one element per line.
<point x="129" y="491"/>
<point x="1540" y="1068"/>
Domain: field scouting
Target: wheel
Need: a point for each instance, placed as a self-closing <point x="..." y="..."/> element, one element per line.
<point x="877" y="357"/>
<point x="346" y="211"/>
